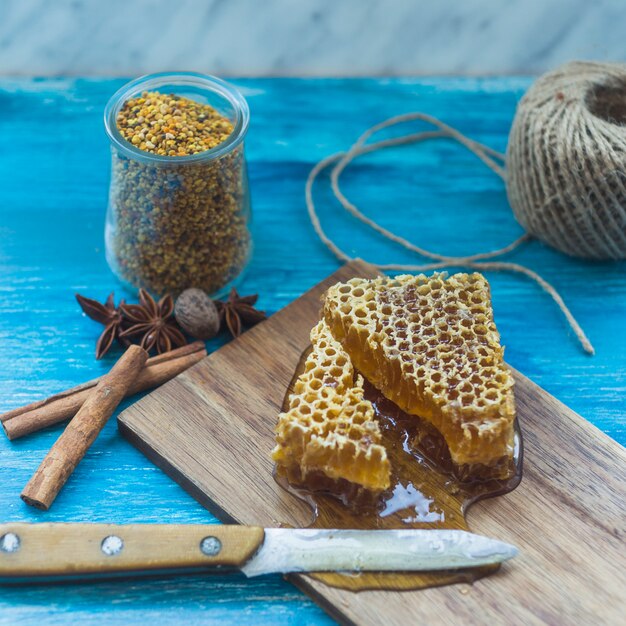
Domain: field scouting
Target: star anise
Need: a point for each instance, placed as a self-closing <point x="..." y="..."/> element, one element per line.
<point x="154" y="322"/>
<point x="237" y="311"/>
<point x="107" y="314"/>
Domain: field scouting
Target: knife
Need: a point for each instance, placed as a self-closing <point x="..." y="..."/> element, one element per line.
<point x="50" y="550"/>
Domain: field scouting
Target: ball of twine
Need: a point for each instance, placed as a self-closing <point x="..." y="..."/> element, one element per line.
<point x="566" y="160"/>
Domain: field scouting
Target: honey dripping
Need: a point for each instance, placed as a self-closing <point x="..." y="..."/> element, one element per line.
<point x="425" y="492"/>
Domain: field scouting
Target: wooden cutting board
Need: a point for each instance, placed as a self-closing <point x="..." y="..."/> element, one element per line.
<point x="211" y="429"/>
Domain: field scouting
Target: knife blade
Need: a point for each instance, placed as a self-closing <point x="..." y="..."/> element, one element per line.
<point x="315" y="550"/>
<point x="51" y="550"/>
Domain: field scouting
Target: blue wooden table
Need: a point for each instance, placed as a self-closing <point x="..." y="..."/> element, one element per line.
<point x="54" y="170"/>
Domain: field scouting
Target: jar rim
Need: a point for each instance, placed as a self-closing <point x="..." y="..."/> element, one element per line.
<point x="153" y="81"/>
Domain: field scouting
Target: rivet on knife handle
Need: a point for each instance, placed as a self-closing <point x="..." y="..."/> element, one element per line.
<point x="53" y="549"/>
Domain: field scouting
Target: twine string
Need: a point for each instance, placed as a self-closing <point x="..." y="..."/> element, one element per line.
<point x="493" y="159"/>
<point x="566" y="160"/>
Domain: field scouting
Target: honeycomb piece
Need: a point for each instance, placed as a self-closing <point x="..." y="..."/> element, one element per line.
<point x="430" y="345"/>
<point x="329" y="430"/>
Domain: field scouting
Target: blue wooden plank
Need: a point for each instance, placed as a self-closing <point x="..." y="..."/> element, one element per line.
<point x="54" y="169"/>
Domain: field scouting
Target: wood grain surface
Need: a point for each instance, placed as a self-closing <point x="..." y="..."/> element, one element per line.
<point x="53" y="192"/>
<point x="211" y="429"/>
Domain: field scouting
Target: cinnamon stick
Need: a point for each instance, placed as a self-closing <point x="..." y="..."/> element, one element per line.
<point x="62" y="406"/>
<point x="82" y="431"/>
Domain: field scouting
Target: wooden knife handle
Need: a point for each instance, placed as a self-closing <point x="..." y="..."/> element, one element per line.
<point x="52" y="549"/>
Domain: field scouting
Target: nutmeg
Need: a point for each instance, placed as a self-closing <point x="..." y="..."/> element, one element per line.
<point x="197" y="314"/>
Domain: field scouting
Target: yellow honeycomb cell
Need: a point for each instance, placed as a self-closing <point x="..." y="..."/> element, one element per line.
<point x="329" y="429"/>
<point x="429" y="344"/>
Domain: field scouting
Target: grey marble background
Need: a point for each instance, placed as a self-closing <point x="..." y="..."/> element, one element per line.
<point x="306" y="37"/>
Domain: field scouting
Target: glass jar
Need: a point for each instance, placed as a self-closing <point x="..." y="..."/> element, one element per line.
<point x="175" y="222"/>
